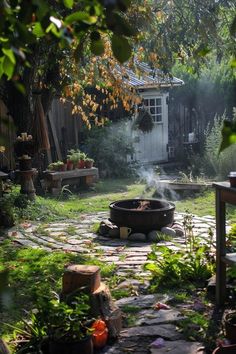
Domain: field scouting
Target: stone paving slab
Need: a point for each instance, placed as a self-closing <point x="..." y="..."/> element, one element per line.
<point x="167" y="331"/>
<point x="179" y="347"/>
<point x="155" y="317"/>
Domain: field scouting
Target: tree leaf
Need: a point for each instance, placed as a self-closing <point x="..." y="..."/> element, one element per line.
<point x="68" y="3"/>
<point x="20" y="87"/>
<point x="8" y="67"/>
<point x="97" y="47"/>
<point x="119" y="25"/>
<point x="228" y="135"/>
<point x="233" y="27"/>
<point x="80" y="16"/>
<point x="1" y="66"/>
<point x="121" y="48"/>
<point x="38" y="30"/>
<point x="9" y="53"/>
<point x="233" y="63"/>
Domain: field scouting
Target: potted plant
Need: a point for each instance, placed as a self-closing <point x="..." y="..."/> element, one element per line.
<point x="56" y="166"/>
<point x="82" y="159"/>
<point x="67" y="326"/>
<point x="62" y="327"/>
<point x="230" y="326"/>
<point x="24" y="145"/>
<point x="73" y="158"/>
<point x="89" y="162"/>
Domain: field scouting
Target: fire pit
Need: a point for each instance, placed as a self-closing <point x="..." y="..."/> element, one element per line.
<point x="142" y="215"/>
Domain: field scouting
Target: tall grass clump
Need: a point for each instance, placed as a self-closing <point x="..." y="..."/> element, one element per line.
<point x="218" y="165"/>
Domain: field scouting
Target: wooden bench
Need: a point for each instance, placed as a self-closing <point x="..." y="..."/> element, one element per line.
<point x="54" y="181"/>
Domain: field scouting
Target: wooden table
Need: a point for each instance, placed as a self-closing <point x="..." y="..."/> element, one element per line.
<point x="223" y="194"/>
<point x="55" y="180"/>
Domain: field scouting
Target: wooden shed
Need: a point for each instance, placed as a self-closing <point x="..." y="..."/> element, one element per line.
<point x="153" y="86"/>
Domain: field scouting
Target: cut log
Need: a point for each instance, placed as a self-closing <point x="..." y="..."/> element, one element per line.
<point x="103" y="306"/>
<point x="79" y="276"/>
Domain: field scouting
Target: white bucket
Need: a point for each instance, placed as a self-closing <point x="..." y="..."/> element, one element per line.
<point x="191" y="137"/>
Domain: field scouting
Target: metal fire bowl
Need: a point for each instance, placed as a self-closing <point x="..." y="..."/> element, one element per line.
<point x="125" y="213"/>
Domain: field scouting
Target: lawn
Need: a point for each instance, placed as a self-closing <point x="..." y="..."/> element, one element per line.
<point x="70" y="205"/>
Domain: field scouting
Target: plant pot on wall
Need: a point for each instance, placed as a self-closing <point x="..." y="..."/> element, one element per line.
<point x="230" y="327"/>
<point x="84" y="346"/>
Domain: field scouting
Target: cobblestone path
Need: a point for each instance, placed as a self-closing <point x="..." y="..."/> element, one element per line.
<point x="129" y="258"/>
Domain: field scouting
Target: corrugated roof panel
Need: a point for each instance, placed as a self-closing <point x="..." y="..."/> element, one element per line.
<point x="151" y="78"/>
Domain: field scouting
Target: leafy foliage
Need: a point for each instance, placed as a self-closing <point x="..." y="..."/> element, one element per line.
<point x="180" y="268"/>
<point x="110" y="147"/>
<point x="68" y="21"/>
<point x="144" y="121"/>
<point x="228" y="133"/>
<point x="218" y="164"/>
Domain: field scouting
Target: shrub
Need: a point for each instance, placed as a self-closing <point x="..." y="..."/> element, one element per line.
<point x="218" y="165"/>
<point x="181" y="268"/>
<point x="109" y="147"/>
<point x="6" y="212"/>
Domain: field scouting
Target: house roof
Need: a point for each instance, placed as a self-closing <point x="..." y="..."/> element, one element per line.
<point x="151" y="78"/>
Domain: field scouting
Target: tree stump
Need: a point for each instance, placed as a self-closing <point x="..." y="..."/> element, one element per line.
<point x="87" y="278"/>
<point x="81" y="276"/>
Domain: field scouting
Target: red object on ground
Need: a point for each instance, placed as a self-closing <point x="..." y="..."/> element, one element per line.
<point x="100" y="334"/>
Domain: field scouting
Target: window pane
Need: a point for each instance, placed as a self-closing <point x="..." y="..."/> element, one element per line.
<point x="158" y="101"/>
<point x="145" y="102"/>
<point x="158" y="118"/>
<point x="152" y="102"/>
<point x="152" y="110"/>
<point x="158" y="110"/>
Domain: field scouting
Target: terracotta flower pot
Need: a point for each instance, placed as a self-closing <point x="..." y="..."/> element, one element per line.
<point x="84" y="346"/>
<point x="81" y="164"/>
<point x="70" y="165"/>
<point x="230" y="327"/>
<point x="226" y="349"/>
<point x="88" y="164"/>
<point x="63" y="167"/>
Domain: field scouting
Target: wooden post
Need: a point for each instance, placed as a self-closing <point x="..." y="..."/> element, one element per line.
<point x="220" y="250"/>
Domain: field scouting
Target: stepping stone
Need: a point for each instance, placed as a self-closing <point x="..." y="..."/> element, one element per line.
<point x="166" y="331"/>
<point x="179" y="347"/>
<point x="155" y="317"/>
<point x="143" y="301"/>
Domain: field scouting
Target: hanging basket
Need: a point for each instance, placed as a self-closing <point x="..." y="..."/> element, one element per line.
<point x="144" y="121"/>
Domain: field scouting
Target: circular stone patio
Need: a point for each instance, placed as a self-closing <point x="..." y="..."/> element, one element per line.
<point x="77" y="235"/>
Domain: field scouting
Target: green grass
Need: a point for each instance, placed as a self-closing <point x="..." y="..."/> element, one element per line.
<point x="204" y="204"/>
<point x="27" y="274"/>
<point x="199" y="204"/>
<point x="50" y="208"/>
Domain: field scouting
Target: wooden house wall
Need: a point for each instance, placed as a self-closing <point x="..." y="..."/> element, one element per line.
<point x="63" y="129"/>
<point x="8" y="137"/>
<point x="182" y="121"/>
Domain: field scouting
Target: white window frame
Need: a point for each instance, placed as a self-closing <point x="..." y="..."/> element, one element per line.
<point x="154" y="108"/>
